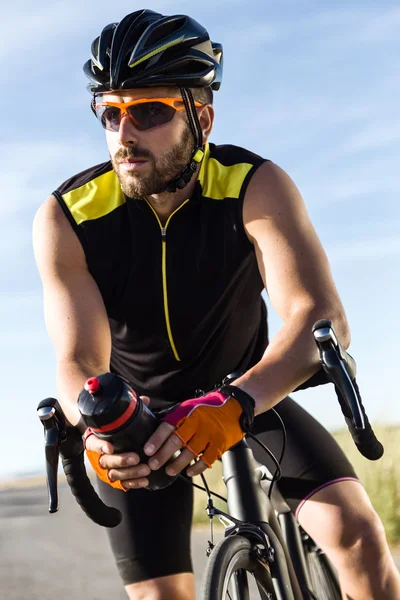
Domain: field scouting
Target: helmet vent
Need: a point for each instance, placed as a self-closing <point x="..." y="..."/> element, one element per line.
<point x="161" y="33"/>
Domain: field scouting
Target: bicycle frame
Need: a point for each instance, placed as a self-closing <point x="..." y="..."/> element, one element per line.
<point x="248" y="502"/>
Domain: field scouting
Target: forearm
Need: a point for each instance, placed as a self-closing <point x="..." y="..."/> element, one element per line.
<point x="71" y="377"/>
<point x="290" y="359"/>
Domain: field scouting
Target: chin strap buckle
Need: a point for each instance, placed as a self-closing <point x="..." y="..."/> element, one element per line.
<point x="186" y="175"/>
<point x="198" y="156"/>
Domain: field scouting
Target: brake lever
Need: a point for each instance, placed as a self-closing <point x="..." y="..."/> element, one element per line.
<point x="337" y="363"/>
<point x="54" y="433"/>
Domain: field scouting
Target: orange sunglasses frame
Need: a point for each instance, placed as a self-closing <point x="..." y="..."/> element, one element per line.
<point x="123" y="106"/>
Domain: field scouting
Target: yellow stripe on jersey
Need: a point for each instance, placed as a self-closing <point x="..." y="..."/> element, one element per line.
<point x="218" y="181"/>
<point x="95" y="199"/>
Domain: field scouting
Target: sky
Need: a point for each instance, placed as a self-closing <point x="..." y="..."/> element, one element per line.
<point x="313" y="86"/>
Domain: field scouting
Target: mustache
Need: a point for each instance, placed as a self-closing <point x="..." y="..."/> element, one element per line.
<point x="132" y="153"/>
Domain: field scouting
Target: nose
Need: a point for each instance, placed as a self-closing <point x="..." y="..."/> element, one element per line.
<point x="127" y="133"/>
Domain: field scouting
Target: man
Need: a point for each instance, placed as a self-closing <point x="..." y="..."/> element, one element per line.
<point x="152" y="266"/>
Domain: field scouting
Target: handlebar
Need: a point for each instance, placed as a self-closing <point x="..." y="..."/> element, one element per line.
<point x="62" y="438"/>
<point x="340" y="368"/>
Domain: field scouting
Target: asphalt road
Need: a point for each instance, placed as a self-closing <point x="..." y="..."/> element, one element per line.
<point x="64" y="555"/>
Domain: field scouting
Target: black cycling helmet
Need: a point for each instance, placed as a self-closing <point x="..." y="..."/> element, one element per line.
<point x="149" y="49"/>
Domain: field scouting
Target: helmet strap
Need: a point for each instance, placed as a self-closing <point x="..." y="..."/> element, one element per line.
<point x="191" y="112"/>
<point x="179" y="182"/>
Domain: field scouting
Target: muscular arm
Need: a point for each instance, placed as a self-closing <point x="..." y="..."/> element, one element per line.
<point x="75" y="315"/>
<point x="297" y="277"/>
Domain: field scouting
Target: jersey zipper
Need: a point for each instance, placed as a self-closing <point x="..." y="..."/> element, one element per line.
<point x="164" y="274"/>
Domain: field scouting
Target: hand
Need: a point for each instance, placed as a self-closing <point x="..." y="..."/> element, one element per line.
<point x="121" y="471"/>
<point x="162" y="446"/>
<point x="205" y="426"/>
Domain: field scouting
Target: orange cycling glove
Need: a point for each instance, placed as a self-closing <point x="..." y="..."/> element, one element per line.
<point x="211" y="424"/>
<point x="94" y="459"/>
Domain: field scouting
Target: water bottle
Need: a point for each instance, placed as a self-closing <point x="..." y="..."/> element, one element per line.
<point x="113" y="411"/>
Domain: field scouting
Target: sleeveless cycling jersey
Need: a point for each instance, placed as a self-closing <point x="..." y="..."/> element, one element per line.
<point x="183" y="298"/>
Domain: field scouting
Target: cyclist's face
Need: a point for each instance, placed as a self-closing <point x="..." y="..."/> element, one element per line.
<point x="145" y="160"/>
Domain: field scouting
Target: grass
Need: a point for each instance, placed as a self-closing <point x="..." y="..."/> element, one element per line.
<point x="381" y="479"/>
<point x="215" y="483"/>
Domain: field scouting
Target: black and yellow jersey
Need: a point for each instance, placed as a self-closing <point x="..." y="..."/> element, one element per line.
<point x="184" y="299"/>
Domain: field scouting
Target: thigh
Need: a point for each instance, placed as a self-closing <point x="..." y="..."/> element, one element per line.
<point x="153" y="539"/>
<point x="312" y="459"/>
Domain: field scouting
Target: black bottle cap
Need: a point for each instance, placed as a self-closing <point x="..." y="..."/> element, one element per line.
<point x="104" y="399"/>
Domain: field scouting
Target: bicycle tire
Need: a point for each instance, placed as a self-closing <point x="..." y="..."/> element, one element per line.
<point x="235" y="556"/>
<point x="324" y="581"/>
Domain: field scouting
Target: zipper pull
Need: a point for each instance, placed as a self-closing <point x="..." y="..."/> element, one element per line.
<point x="163" y="233"/>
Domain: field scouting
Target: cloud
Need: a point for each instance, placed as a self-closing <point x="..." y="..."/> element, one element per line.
<point x="379" y="28"/>
<point x="34" y="27"/>
<point x="339" y="27"/>
<point x="31" y="171"/>
<point x="375" y="248"/>
<point x="33" y="168"/>
<point x="59" y="21"/>
<point x="313" y="109"/>
<point x="30" y="330"/>
<point x="347" y="28"/>
<point x="374" y="136"/>
<point x="326" y="178"/>
<point x="353" y="188"/>
<point x="20" y="302"/>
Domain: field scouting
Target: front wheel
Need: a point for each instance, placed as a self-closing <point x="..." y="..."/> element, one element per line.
<point x="235" y="572"/>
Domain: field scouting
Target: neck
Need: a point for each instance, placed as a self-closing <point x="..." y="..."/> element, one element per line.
<point x="164" y="204"/>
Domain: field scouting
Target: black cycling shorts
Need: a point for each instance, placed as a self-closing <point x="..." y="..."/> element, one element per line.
<point x="153" y="539"/>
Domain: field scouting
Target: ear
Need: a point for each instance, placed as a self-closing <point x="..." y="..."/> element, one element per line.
<point x="206" y="118"/>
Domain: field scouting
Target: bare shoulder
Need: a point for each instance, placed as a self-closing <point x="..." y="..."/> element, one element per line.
<point x="272" y="195"/>
<point x="54" y="240"/>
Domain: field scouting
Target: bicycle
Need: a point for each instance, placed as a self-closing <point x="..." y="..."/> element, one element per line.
<point x="262" y="537"/>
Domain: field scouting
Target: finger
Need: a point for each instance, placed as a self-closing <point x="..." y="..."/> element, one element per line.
<point x="129" y="473"/>
<point x="97" y="445"/>
<point x="135" y="483"/>
<point x="183" y="460"/>
<point x="199" y="467"/>
<point x="161" y="434"/>
<point x="145" y="399"/>
<point x="167" y="450"/>
<point x="118" y="461"/>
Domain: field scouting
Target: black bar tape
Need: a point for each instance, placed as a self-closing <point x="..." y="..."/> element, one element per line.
<point x="72" y="456"/>
<point x="85" y="494"/>
<point x="365" y="439"/>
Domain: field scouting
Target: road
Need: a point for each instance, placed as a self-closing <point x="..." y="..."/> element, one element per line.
<point x="63" y="555"/>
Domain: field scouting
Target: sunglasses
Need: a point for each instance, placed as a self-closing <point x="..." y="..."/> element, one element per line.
<point x="145" y="113"/>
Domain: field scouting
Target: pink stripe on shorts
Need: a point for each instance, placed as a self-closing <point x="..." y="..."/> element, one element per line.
<point x="321" y="487"/>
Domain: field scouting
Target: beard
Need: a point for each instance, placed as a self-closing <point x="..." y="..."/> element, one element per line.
<point x="163" y="168"/>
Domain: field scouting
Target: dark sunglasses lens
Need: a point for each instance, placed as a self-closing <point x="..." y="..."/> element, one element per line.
<point x="151" y="114"/>
<point x="109" y="117"/>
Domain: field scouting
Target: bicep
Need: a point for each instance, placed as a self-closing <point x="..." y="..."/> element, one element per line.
<point x="290" y="256"/>
<point x="75" y="314"/>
